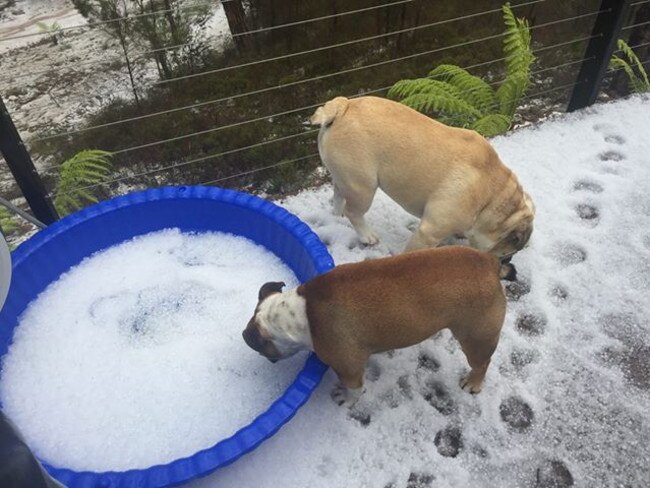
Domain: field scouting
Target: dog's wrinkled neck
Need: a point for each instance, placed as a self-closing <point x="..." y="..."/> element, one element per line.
<point x="284" y="317"/>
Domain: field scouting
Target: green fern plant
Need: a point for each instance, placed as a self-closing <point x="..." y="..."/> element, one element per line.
<point x="86" y="168"/>
<point x="7" y="222"/>
<point x="637" y="79"/>
<point x="458" y="98"/>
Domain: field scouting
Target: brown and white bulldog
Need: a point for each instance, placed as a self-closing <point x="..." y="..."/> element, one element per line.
<point x="364" y="308"/>
<point x="450" y="178"/>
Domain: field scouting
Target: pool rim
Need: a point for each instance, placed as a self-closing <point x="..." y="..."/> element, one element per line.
<point x="262" y="427"/>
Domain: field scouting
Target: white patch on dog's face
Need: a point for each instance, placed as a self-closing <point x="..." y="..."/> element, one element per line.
<point x="283" y="316"/>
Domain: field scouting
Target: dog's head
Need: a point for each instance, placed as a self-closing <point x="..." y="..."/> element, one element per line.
<point x="518" y="233"/>
<point x="258" y="333"/>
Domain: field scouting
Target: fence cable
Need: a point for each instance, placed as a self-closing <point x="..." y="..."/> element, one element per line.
<point x="532" y="2"/>
<point x="632" y="26"/>
<point x="258" y="144"/>
<point x="257" y="170"/>
<point x="316" y="19"/>
<point x="193" y="161"/>
<point x="297" y="83"/>
<point x="337" y="45"/>
<point x="289" y="112"/>
<point x="291" y="55"/>
<point x="282" y="163"/>
<point x="377" y="90"/>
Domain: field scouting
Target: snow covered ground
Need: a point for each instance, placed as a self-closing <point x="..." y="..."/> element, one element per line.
<point x="567" y="397"/>
<point x="53" y="88"/>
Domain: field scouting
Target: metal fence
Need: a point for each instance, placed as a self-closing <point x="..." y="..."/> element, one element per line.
<point x="571" y="68"/>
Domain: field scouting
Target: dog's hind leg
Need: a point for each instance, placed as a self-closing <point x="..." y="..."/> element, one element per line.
<point x="478" y="353"/>
<point x="358" y="195"/>
<point x="350" y="386"/>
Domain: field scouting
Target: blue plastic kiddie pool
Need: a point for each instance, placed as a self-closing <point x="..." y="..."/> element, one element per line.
<point x="43" y="258"/>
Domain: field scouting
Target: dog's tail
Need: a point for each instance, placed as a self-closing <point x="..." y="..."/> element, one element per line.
<point x="325" y="115"/>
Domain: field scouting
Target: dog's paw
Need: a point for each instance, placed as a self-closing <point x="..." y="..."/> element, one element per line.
<point x="346" y="397"/>
<point x="368" y="238"/>
<point x="470" y="386"/>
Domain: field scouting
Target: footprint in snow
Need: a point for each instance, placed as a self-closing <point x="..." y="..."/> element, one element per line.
<point x="449" y="441"/>
<point x="553" y="473"/>
<point x="531" y="324"/>
<point x="517" y="289"/>
<point x="439" y="398"/>
<point x="567" y="253"/>
<point x="420" y="480"/>
<point x="611" y="156"/>
<point x="516" y="414"/>
<point x="558" y="293"/>
<point x="588" y="186"/>
<point x="521" y="358"/>
<point x="615" y="139"/>
<point x="589" y="214"/>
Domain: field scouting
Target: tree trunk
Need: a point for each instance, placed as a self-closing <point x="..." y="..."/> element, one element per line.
<point x="236" y="17"/>
<point x="177" y="38"/>
<point x="169" y="15"/>
<point x="159" y="55"/>
<point x="123" y="41"/>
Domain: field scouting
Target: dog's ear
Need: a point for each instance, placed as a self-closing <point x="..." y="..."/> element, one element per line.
<point x="516" y="238"/>
<point x="269" y="289"/>
<point x="519" y="237"/>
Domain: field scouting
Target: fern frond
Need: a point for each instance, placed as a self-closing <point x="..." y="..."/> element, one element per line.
<point x="637" y="82"/>
<point x="619" y="63"/>
<point x="7" y="223"/>
<point x="510" y="92"/>
<point x="516" y="43"/>
<point x="406" y="88"/>
<point x="472" y="88"/>
<point x="492" y="125"/>
<point x="436" y="97"/>
<point x="85" y="168"/>
<point x="455" y="111"/>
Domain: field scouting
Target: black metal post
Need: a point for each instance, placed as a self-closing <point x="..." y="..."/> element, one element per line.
<point x="607" y="30"/>
<point x="22" y="167"/>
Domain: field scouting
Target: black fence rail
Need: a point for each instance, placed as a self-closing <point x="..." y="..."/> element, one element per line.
<point x="233" y="114"/>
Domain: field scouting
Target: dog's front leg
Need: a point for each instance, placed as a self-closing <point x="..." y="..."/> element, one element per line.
<point x="425" y="236"/>
<point x="439" y="221"/>
<point x="346" y="397"/>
